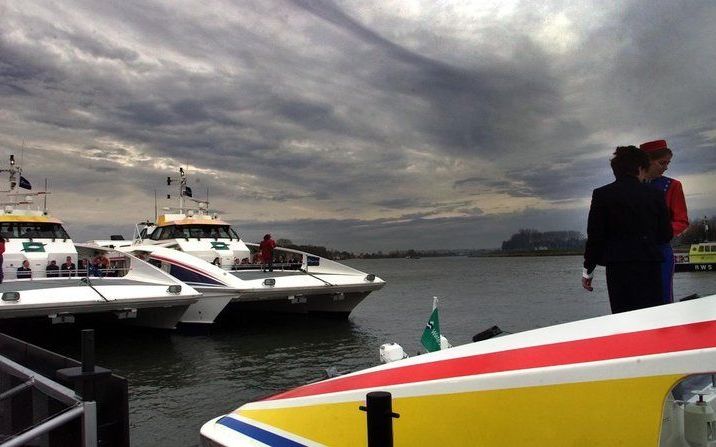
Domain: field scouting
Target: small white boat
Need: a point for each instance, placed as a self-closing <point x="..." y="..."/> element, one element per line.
<point x="36" y="287"/>
<point x="198" y="248"/>
<point x="641" y="378"/>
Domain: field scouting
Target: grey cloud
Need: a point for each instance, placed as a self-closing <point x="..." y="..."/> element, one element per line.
<point x="317" y="105"/>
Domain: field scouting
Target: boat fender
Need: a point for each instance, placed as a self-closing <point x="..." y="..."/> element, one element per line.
<point x="391" y="352"/>
<point x="699" y="423"/>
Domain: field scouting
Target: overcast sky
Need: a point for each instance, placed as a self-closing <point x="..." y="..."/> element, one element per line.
<point x="356" y="125"/>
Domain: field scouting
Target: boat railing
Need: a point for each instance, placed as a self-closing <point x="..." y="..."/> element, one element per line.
<point x="281" y="266"/>
<point x="11" y="273"/>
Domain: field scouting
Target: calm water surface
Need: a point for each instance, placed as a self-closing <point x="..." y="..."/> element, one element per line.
<point x="177" y="382"/>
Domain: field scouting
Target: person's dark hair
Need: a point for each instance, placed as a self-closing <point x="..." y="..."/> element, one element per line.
<point x="267" y="237"/>
<point x="661" y="153"/>
<point x="627" y="160"/>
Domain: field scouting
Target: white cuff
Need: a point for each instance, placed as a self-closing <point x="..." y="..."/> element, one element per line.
<point x="586" y="274"/>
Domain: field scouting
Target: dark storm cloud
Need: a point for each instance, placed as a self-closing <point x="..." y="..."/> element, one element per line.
<point x="439" y="233"/>
<point x="368" y="114"/>
<point x="486" y="110"/>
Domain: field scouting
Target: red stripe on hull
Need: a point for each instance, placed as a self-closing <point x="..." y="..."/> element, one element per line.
<point x="649" y="342"/>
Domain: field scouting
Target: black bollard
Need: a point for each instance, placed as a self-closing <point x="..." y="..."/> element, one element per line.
<point x="379" y="409"/>
<point x="88" y="350"/>
<point x="86" y="377"/>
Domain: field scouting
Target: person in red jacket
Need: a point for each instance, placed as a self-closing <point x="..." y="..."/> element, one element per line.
<point x="266" y="246"/>
<point x="660" y="157"/>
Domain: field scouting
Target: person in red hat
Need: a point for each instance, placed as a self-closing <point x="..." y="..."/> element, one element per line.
<point x="660" y="157"/>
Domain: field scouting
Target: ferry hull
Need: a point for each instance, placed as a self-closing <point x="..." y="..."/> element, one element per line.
<point x="328" y="305"/>
<point x="600" y="382"/>
<point x="695" y="267"/>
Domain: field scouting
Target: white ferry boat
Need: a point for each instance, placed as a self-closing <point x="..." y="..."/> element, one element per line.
<point x="640" y="378"/>
<point x="47" y="277"/>
<point x="202" y="250"/>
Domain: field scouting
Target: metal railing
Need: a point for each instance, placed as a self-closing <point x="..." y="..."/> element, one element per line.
<point x="37" y="410"/>
<point x="13" y="274"/>
<point x="75" y="407"/>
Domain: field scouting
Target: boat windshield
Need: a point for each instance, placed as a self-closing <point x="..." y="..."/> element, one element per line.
<point x="26" y="230"/>
<point x="194" y="231"/>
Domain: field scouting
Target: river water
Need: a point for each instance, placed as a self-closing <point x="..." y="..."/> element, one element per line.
<point x="177" y="382"/>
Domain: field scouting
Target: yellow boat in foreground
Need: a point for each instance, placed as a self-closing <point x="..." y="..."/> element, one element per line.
<point x="616" y="380"/>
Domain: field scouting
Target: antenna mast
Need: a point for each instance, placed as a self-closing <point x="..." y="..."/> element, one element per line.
<point x="44" y="207"/>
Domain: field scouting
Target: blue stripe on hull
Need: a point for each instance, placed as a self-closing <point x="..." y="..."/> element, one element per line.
<point x="186" y="275"/>
<point x="258" y="434"/>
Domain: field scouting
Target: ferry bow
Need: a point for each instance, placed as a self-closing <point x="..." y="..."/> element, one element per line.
<point x="604" y="381"/>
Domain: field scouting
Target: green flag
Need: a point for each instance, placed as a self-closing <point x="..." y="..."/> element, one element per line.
<point x="431" y="334"/>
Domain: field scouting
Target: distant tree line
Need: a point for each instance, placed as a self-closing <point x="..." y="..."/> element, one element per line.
<point x="700" y="230"/>
<point x="533" y="240"/>
<point x="340" y="255"/>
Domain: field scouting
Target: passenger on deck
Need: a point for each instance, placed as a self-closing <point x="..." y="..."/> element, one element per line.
<point x="245" y="261"/>
<point x="267" y="246"/>
<point x="94" y="268"/>
<point x="24" y="271"/>
<point x="101" y="261"/>
<point x="68" y="268"/>
<point x="52" y="270"/>
<point x="627" y="224"/>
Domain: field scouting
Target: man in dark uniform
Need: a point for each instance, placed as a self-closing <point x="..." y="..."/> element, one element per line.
<point x="627" y="222"/>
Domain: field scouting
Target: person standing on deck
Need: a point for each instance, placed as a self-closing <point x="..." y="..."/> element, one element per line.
<point x="628" y="221"/>
<point x="660" y="157"/>
<point x="266" y="246"/>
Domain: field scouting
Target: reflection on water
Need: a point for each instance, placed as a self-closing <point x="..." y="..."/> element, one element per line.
<point x="178" y="382"/>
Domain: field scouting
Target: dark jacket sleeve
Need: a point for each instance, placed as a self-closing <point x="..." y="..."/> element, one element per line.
<point x="596" y="233"/>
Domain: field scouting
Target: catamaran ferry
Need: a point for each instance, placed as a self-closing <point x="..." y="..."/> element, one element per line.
<point x="202" y="250"/>
<point x="49" y="279"/>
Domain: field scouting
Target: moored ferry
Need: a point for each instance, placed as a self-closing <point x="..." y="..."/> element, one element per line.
<point x="640" y="378"/>
<point x="48" y="279"/>
<point x="700" y="258"/>
<point x="200" y="249"/>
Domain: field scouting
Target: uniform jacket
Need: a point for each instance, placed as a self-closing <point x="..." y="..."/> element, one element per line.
<point x="627" y="222"/>
<point x="675" y="202"/>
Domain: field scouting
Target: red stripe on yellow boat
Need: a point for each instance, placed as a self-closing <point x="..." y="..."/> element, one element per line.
<point x="656" y="341"/>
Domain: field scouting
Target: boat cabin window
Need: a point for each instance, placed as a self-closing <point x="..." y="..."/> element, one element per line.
<point x="38" y="230"/>
<point x="701" y="249"/>
<point x="194" y="231"/>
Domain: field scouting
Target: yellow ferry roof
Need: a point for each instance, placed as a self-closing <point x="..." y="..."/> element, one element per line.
<point x="27" y="218"/>
<point x="165" y="220"/>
